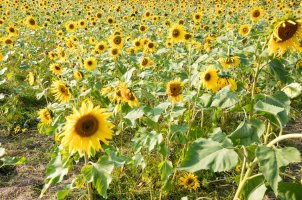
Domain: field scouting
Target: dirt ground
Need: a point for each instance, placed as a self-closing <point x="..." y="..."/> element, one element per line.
<point x="24" y="182"/>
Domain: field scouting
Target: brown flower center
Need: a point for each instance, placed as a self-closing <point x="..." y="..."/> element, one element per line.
<point x="89" y="62"/>
<point x="150" y="45"/>
<point x="207" y="77"/>
<point x="287" y="30"/>
<point x="175" y="33"/>
<point x="256" y="13"/>
<point x="175" y="89"/>
<point x="32" y="22"/>
<point x="87" y="126"/>
<point x="145" y="62"/>
<point x="117" y="40"/>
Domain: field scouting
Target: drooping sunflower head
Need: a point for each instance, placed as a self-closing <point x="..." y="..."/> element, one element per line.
<point x="61" y="91"/>
<point x="230" y="61"/>
<point x="174" y="90"/>
<point x="45" y="116"/>
<point x="209" y="79"/>
<point x="285" y="36"/>
<point x="90" y="63"/>
<point x="130" y="97"/>
<point x="85" y="128"/>
<point x="56" y="69"/>
<point x="78" y="75"/>
<point x="177" y="33"/>
<point x="225" y="81"/>
<point x="189" y="181"/>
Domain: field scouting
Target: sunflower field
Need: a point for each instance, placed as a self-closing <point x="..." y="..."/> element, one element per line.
<point x="149" y="99"/>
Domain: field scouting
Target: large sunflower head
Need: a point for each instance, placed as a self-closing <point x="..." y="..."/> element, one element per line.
<point x="189" y="181"/>
<point x="100" y="47"/>
<point x="70" y="26"/>
<point x="45" y="116"/>
<point x="177" y="33"/>
<point x="285" y="36"/>
<point x="146" y="62"/>
<point x="90" y="63"/>
<point x="85" y="128"/>
<point x="174" y="90"/>
<point x="61" y="91"/>
<point x="209" y="79"/>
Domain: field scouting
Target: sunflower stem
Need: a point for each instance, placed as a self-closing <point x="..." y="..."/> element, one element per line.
<point x="88" y="185"/>
<point x="253" y="90"/>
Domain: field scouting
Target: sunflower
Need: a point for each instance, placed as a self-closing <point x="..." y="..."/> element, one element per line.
<point x="81" y="23"/>
<point x="197" y="17"/>
<point x="45" y="116"/>
<point x="209" y="79"/>
<point x="285" y="36"/>
<point x="116" y="41"/>
<point x="110" y="20"/>
<point x="129" y="97"/>
<point x="115" y="52"/>
<point x="1" y="57"/>
<point x="189" y="181"/>
<point x="169" y="44"/>
<point x="61" y="91"/>
<point x="70" y="26"/>
<point x="138" y="44"/>
<point x="78" y="75"/>
<point x="143" y="28"/>
<point x="298" y="64"/>
<point x="30" y="78"/>
<point x="31" y="22"/>
<point x="8" y="41"/>
<point x="90" y="63"/>
<point x="150" y="47"/>
<point x="174" y="90"/>
<point x="225" y="81"/>
<point x="56" y="69"/>
<point x="231" y="61"/>
<point x="120" y="89"/>
<point x="177" y="33"/>
<point x="244" y="29"/>
<point x="256" y="14"/>
<point x="85" y="128"/>
<point x="146" y="62"/>
<point x="12" y="30"/>
<point x="100" y="47"/>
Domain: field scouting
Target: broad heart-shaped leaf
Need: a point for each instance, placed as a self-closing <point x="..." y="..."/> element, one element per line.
<point x="56" y="170"/>
<point x="99" y="174"/>
<point x="279" y="100"/>
<point x="268" y="165"/>
<point x="290" y="191"/>
<point x="254" y="189"/>
<point x="225" y="98"/>
<point x="270" y="160"/>
<point x="293" y="90"/>
<point x="248" y="132"/>
<point x="208" y="154"/>
<point x="165" y="169"/>
<point x="218" y="136"/>
<point x="278" y="71"/>
<point x="287" y="155"/>
<point x="268" y="108"/>
<point x="135" y="114"/>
